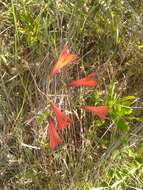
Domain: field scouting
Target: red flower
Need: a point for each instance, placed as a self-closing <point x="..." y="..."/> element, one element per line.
<point x="62" y="119"/>
<point x="88" y="81"/>
<point x="53" y="135"/>
<point x="64" y="59"/>
<point x="100" y="111"/>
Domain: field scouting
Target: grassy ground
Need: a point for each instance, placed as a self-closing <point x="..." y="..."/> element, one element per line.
<point x="108" y="38"/>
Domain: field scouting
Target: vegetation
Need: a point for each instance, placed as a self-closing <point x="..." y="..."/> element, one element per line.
<point x="107" y="37"/>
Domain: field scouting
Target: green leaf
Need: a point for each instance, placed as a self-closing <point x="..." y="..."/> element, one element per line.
<point x="122" y="125"/>
<point x="136" y="118"/>
<point x="127" y="98"/>
<point x="126" y="111"/>
<point x="42" y="117"/>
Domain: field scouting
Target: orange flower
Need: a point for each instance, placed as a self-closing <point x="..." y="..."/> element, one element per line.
<point x="62" y="119"/>
<point x="100" y="111"/>
<point x="88" y="81"/>
<point x="53" y="135"/>
<point x="64" y="59"/>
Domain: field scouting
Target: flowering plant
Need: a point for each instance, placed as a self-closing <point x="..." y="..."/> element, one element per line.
<point x="63" y="120"/>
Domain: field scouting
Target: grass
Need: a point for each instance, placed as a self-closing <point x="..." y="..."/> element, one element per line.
<point x="107" y="37"/>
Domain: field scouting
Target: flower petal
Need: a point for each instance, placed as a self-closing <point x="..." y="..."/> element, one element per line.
<point x="90" y="76"/>
<point x="62" y="119"/>
<point x="78" y="83"/>
<point x="64" y="59"/>
<point x="87" y="81"/>
<point x="53" y="135"/>
<point x="100" y="111"/>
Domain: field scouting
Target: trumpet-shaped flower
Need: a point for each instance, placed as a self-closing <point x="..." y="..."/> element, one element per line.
<point x="100" y="111"/>
<point x="62" y="119"/>
<point x="88" y="81"/>
<point x="65" y="58"/>
<point x="53" y="135"/>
